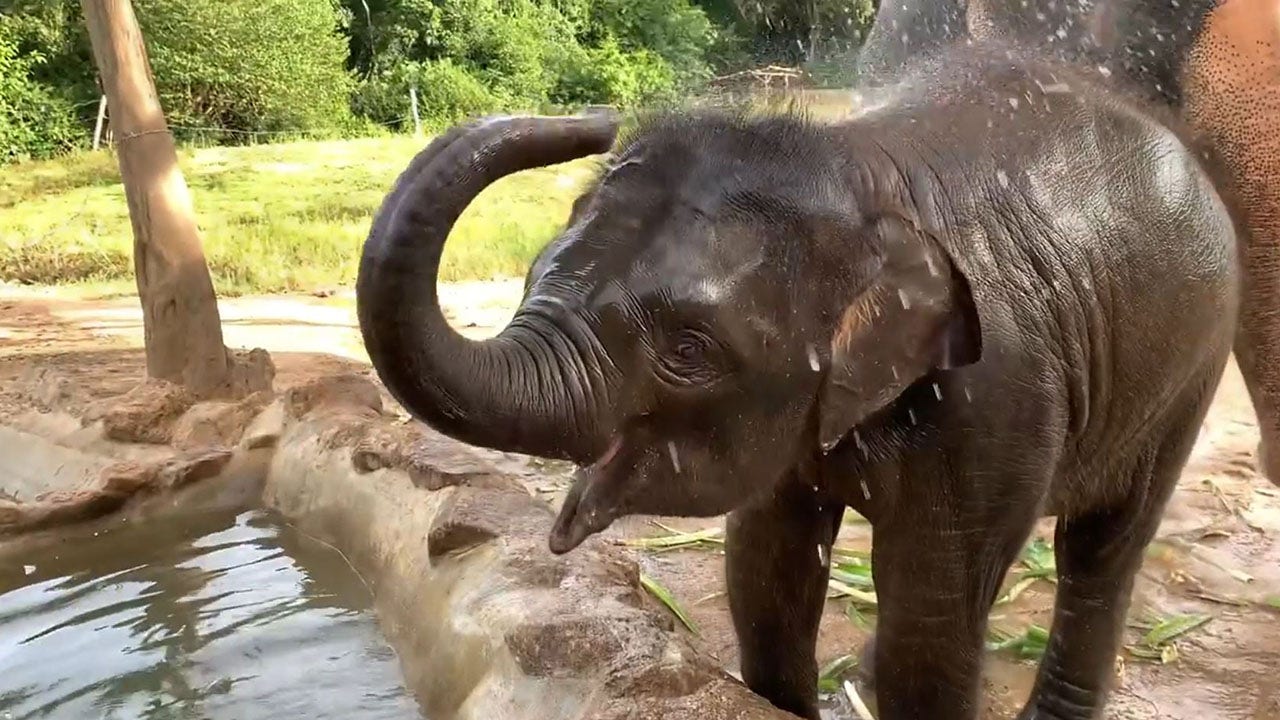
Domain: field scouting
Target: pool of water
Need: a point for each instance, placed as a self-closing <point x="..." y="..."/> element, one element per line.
<point x="212" y="616"/>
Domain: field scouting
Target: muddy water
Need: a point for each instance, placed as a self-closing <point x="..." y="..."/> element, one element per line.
<point x="219" y="615"/>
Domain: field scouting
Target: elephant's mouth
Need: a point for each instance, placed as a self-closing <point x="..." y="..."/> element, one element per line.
<point x="592" y="504"/>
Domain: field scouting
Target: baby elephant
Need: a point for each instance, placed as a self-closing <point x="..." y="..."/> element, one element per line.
<point x="1005" y="292"/>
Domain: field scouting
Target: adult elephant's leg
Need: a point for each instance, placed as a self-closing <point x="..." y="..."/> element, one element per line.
<point x="777" y="559"/>
<point x="1098" y="555"/>
<point x="936" y="575"/>
<point x="1233" y="94"/>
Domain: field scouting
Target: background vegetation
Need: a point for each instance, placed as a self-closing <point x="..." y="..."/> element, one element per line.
<point x="239" y="71"/>
<point x="291" y="117"/>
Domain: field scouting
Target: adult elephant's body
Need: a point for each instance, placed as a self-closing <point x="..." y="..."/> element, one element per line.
<point x="1215" y="63"/>
<point x="953" y="313"/>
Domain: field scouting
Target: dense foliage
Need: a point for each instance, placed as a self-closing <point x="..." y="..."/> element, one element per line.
<point x="230" y="70"/>
<point x="34" y="120"/>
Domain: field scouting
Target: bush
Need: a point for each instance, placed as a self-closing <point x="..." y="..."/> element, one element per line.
<point x="34" y="122"/>
<point x="674" y="30"/>
<point x="607" y="74"/>
<point x="248" y="65"/>
<point x="447" y="94"/>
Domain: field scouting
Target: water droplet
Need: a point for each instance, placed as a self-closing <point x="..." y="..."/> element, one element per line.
<point x="823" y="557"/>
<point x="1003" y="178"/>
<point x="902" y="298"/>
<point x="675" y="457"/>
<point x="866" y="491"/>
<point x="937" y="391"/>
<point x="911" y="413"/>
<point x="894" y="369"/>
<point x="967" y="396"/>
<point x="813" y="358"/>
<point x="1104" y="70"/>
<point x="1013" y="103"/>
<point x="28" y="569"/>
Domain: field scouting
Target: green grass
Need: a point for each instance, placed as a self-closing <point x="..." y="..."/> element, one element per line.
<point x="282" y="217"/>
<point x="273" y="217"/>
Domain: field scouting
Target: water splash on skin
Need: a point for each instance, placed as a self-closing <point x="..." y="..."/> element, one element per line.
<point x="911" y="413"/>
<point x="1055" y="88"/>
<point x="1003" y="178"/>
<point x="894" y="369"/>
<point x="902" y="298"/>
<point x="813" y="358"/>
<point x="824" y="559"/>
<point x="937" y="391"/>
<point x="857" y="441"/>
<point x="967" y="396"/>
<point x="866" y="491"/>
<point x="675" y="457"/>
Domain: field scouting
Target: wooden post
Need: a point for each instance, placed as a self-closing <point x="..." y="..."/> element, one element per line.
<point x="413" y="103"/>
<point x="179" y="310"/>
<point x="97" y="127"/>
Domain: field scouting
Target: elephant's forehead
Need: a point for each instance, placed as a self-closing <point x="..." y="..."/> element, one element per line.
<point x="707" y="264"/>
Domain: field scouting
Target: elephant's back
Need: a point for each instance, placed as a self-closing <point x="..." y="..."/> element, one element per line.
<point x="1095" y="241"/>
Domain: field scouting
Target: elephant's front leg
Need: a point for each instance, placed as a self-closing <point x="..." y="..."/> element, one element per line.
<point x="934" y="578"/>
<point x="777" y="558"/>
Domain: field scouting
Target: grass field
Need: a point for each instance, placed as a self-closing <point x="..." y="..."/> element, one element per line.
<point x="278" y="217"/>
<point x="273" y="217"/>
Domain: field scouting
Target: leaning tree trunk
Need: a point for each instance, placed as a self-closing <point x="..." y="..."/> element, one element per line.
<point x="179" y="309"/>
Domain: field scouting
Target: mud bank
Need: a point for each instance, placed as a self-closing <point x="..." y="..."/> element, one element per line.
<point x="486" y="622"/>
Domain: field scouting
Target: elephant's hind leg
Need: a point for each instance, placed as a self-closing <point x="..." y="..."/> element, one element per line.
<point x="1233" y="95"/>
<point x="1098" y="556"/>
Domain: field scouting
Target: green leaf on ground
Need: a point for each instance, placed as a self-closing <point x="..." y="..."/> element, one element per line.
<point x="830" y="674"/>
<point x="666" y="598"/>
<point x="1030" y="644"/>
<point x="1173" y="627"/>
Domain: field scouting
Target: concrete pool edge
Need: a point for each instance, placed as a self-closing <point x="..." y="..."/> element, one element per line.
<point x="487" y="623"/>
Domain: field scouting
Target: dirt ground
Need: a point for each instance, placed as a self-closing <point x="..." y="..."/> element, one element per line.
<point x="1216" y="553"/>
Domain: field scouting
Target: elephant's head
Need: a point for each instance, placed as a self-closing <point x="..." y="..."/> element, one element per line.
<point x="718" y="310"/>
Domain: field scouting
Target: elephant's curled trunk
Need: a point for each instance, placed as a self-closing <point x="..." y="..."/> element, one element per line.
<point x="505" y="392"/>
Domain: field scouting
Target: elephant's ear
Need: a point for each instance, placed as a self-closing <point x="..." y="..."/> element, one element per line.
<point x="917" y="315"/>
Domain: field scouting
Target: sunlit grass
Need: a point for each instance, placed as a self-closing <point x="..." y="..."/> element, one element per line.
<point x="282" y="217"/>
<point x="272" y="217"/>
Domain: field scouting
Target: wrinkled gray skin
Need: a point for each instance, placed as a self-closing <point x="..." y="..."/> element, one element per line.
<point x="1150" y="47"/>
<point x="952" y="314"/>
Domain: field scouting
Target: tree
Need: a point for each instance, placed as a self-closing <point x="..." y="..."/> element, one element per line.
<point x="180" y="313"/>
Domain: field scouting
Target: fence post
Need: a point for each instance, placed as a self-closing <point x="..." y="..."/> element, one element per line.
<point x="413" y="103"/>
<point x="97" y="128"/>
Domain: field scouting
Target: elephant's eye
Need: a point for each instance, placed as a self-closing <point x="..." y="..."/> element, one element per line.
<point x="690" y="358"/>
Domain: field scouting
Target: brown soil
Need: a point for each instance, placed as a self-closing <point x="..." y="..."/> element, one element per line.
<point x="1216" y="553"/>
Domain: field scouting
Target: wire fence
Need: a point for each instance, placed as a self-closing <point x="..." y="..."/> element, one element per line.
<point x="214" y="135"/>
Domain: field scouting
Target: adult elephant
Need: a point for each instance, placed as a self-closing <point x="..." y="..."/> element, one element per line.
<point x="1215" y="62"/>
<point x="951" y="313"/>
